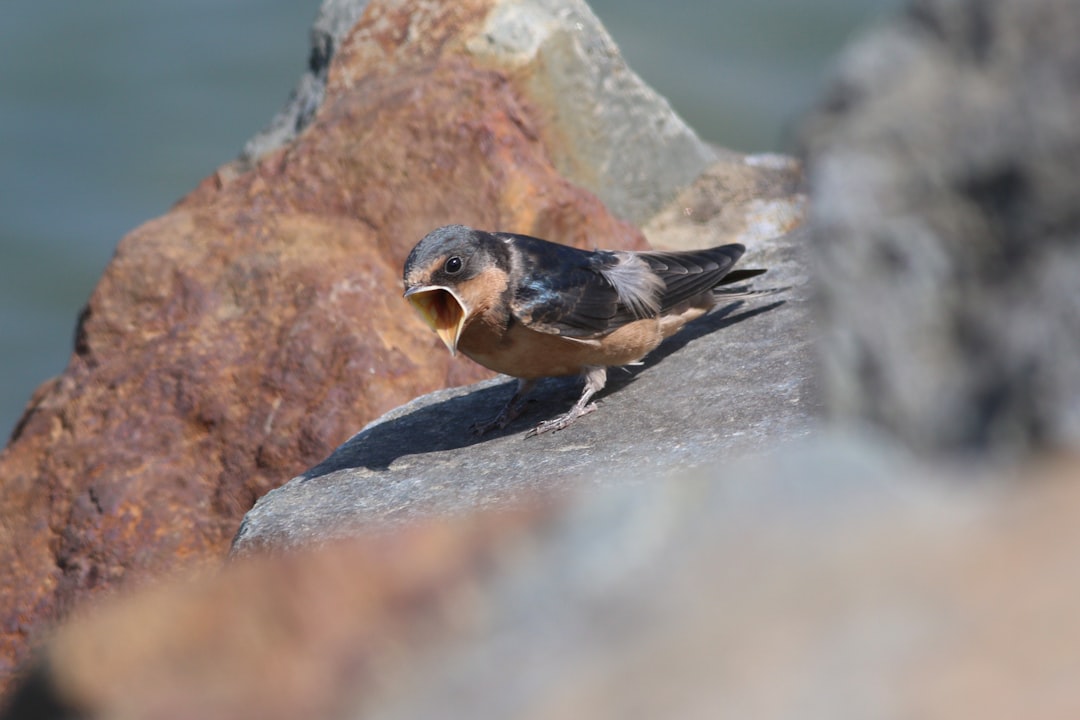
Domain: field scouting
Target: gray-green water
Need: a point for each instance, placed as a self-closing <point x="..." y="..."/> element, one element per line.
<point x="111" y="111"/>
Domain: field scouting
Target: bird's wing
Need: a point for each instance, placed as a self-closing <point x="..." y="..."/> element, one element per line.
<point x="688" y="274"/>
<point x="582" y="294"/>
<point x="576" y="293"/>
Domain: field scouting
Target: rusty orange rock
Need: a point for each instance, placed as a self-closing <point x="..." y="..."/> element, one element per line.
<point x="239" y="338"/>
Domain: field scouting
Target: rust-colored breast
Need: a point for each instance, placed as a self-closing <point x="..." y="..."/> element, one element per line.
<point x="525" y="353"/>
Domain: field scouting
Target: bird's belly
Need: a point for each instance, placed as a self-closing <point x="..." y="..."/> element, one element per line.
<point x="524" y="353"/>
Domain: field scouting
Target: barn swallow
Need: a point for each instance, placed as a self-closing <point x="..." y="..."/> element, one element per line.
<point x="530" y="308"/>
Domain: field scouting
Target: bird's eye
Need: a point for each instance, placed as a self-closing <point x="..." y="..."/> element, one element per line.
<point x="453" y="265"/>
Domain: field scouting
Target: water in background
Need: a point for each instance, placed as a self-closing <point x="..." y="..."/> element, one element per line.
<point x="110" y="112"/>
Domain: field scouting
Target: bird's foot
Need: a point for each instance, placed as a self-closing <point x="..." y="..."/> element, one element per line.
<point x="514" y="407"/>
<point x="563" y="421"/>
<point x="483" y="428"/>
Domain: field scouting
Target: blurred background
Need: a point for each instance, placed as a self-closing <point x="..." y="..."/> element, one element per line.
<point x="110" y="112"/>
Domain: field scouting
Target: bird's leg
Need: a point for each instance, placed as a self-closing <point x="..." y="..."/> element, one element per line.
<point x="510" y="411"/>
<point x="595" y="378"/>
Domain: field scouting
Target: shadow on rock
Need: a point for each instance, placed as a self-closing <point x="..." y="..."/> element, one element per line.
<point x="437" y="423"/>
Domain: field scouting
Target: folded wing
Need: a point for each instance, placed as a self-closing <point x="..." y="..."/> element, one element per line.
<point x="582" y="294"/>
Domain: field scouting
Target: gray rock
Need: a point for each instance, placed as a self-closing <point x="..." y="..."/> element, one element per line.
<point x="747" y="199"/>
<point x="594" y="104"/>
<point x="824" y="581"/>
<point x="734" y="383"/>
<point x="944" y="170"/>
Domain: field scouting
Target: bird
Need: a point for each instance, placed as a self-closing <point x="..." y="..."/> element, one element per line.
<point x="531" y="308"/>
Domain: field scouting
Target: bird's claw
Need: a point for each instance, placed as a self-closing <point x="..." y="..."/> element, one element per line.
<point x="561" y="422"/>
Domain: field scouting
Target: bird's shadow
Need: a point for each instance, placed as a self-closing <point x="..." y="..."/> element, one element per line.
<point x="447" y="424"/>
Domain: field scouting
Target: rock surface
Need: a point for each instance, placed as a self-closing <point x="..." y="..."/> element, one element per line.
<point x="833" y="578"/>
<point x="588" y="106"/>
<point x="311" y="635"/>
<point x="945" y="167"/>
<point x="829" y="580"/>
<point x="748" y="199"/>
<point x="241" y="337"/>
<point x="333" y="22"/>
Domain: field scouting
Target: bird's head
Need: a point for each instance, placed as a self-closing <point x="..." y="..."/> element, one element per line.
<point x="453" y="274"/>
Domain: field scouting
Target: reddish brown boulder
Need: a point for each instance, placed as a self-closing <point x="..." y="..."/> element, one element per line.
<point x="238" y="339"/>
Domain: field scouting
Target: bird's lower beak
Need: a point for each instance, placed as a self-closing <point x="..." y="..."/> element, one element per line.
<point x="442" y="310"/>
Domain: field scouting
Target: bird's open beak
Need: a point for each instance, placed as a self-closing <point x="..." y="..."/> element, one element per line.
<point x="442" y="310"/>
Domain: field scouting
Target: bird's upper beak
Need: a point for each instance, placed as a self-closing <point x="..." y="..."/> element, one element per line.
<point x="442" y="310"/>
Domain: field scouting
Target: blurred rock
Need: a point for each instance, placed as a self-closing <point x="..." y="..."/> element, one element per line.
<point x="834" y="578"/>
<point x="829" y="580"/>
<point x="944" y="168"/>
<point x="748" y="199"/>
<point x="309" y="635"/>
<point x="733" y="383"/>
<point x="236" y="340"/>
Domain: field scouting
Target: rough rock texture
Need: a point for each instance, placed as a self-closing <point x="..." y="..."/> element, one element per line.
<point x="734" y="383"/>
<point x="333" y="22"/>
<point x="590" y="106"/>
<point x="945" y="171"/>
<point x="747" y="199"/>
<point x="831" y="579"/>
<point x="561" y="55"/>
<point x="238" y="339"/>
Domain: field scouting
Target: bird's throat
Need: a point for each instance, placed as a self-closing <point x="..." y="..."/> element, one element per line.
<point x="442" y="310"/>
